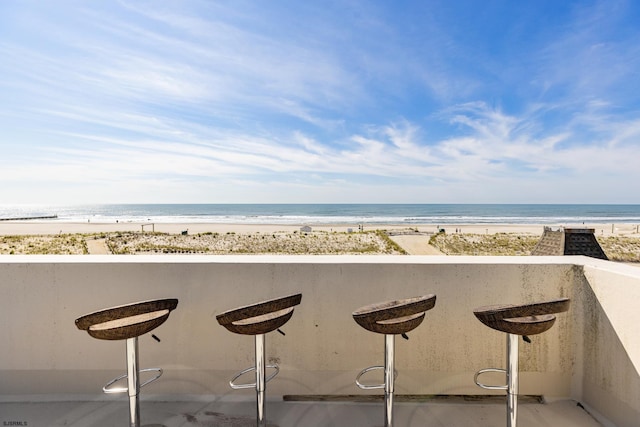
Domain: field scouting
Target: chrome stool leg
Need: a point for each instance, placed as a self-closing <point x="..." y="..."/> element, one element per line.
<point x="261" y="384"/>
<point x="512" y="380"/>
<point x="389" y="377"/>
<point x="133" y="381"/>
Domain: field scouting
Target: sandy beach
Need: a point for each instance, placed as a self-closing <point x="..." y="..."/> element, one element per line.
<point x="13" y="228"/>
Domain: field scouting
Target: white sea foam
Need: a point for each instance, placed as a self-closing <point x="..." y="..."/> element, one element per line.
<point x="332" y="214"/>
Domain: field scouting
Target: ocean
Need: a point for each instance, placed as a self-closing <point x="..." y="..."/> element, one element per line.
<point x="370" y="214"/>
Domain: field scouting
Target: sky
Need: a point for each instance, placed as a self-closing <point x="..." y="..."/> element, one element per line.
<point x="286" y="101"/>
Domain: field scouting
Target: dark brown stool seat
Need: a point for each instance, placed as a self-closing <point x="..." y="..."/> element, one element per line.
<point x="257" y="320"/>
<point x="515" y="321"/>
<point x="260" y="318"/>
<point x="525" y="319"/>
<point x="128" y="322"/>
<point x="391" y="318"/>
<point x="394" y="317"/>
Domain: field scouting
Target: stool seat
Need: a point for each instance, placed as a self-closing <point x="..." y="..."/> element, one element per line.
<point x="127" y="321"/>
<point x="394" y="317"/>
<point x="260" y="318"/>
<point x="525" y="319"/>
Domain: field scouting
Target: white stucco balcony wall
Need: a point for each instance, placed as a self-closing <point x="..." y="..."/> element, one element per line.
<point x="591" y="355"/>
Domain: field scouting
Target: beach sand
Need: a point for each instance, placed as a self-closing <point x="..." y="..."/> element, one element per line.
<point x="12" y="228"/>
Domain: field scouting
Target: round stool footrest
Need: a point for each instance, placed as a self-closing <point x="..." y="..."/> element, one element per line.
<point x="369" y="386"/>
<point x="108" y="390"/>
<point x="490" y="387"/>
<point x="252" y="385"/>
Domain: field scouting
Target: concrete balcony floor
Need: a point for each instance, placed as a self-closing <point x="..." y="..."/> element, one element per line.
<point x="240" y="412"/>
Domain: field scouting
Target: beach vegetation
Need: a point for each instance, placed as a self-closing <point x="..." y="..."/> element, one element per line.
<point x="621" y="248"/>
<point x="280" y="243"/>
<point x="58" y="244"/>
<point x="484" y="244"/>
<point x="617" y="248"/>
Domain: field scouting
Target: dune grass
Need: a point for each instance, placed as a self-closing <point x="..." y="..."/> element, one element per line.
<point x="617" y="248"/>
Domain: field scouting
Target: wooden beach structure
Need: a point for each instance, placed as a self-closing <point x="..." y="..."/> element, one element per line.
<point x="27" y="218"/>
<point x="569" y="241"/>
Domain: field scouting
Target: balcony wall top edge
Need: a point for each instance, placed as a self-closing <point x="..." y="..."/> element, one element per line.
<point x="301" y="259"/>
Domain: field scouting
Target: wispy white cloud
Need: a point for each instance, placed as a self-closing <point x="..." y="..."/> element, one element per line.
<point x="316" y="103"/>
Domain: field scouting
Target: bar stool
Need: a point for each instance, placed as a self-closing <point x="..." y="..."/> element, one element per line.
<point x="517" y="320"/>
<point x="257" y="320"/>
<point x="128" y="322"/>
<point x="391" y="318"/>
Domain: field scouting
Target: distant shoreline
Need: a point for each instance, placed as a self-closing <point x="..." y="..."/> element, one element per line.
<point x="8" y="228"/>
<point x="320" y="215"/>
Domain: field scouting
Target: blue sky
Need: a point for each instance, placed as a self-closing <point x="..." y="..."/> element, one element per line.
<point x="319" y="101"/>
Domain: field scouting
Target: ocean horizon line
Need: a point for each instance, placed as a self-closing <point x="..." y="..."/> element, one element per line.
<point x="329" y="213"/>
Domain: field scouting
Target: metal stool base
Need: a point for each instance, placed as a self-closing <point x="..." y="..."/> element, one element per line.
<point x="512" y="385"/>
<point x="389" y="378"/>
<point x="110" y="390"/>
<point x="261" y="379"/>
<point x="133" y="381"/>
<point x="252" y="385"/>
